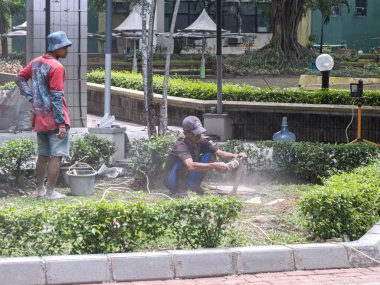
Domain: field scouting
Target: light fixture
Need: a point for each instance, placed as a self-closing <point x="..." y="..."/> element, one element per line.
<point x="324" y="64"/>
<point x="357" y="90"/>
<point x="357" y="93"/>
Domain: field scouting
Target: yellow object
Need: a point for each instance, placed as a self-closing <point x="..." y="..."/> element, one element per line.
<point x="316" y="81"/>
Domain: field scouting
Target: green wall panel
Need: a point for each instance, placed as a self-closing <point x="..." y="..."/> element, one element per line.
<point x="355" y="30"/>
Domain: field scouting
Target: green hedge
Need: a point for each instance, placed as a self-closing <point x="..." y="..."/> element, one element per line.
<point x="307" y="160"/>
<point x="106" y="227"/>
<point x="8" y="85"/>
<point x="195" y="89"/>
<point x="16" y="157"/>
<point x="347" y="203"/>
<point x="149" y="156"/>
<point x="92" y="150"/>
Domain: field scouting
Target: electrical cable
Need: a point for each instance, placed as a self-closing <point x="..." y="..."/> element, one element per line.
<point x="349" y="124"/>
<point x="147" y="180"/>
<point x="266" y="82"/>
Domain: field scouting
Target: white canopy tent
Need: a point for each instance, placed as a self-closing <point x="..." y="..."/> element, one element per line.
<point x="203" y="27"/>
<point x="19" y="33"/>
<point x="23" y="27"/>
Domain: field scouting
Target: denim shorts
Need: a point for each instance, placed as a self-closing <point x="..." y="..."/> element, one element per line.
<point x="50" y="145"/>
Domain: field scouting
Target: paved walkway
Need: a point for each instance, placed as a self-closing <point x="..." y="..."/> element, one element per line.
<point x="134" y="131"/>
<point x="358" y="276"/>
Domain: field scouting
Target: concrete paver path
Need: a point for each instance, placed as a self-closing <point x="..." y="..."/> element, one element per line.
<point x="358" y="276"/>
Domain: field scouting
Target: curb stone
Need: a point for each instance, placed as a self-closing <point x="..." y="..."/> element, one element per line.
<point x="165" y="265"/>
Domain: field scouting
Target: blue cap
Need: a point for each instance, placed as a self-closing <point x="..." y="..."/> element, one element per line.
<point x="57" y="40"/>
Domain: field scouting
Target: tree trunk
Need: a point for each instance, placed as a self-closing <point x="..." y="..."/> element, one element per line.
<point x="321" y="42"/>
<point x="286" y="16"/>
<point x="151" y="124"/>
<point x="164" y="104"/>
<point x="144" y="63"/>
<point x="4" y="47"/>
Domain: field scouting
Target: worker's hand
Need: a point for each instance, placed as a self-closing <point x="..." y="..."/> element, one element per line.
<point x="61" y="133"/>
<point x="242" y="155"/>
<point x="220" y="166"/>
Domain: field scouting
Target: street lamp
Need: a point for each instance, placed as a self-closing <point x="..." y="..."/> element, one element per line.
<point x="324" y="64"/>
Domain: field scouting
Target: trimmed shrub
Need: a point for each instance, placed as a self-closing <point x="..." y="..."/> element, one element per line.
<point x="201" y="223"/>
<point x="307" y="160"/>
<point x="106" y="227"/>
<point x="8" y="85"/>
<point x="16" y="157"/>
<point x="196" y="89"/>
<point x="92" y="150"/>
<point x="347" y="203"/>
<point x="149" y="156"/>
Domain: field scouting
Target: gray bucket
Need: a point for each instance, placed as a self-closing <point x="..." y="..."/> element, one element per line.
<point x="82" y="183"/>
<point x="78" y="166"/>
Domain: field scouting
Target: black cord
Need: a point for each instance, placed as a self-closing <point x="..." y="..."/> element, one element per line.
<point x="352" y="119"/>
<point x="266" y="82"/>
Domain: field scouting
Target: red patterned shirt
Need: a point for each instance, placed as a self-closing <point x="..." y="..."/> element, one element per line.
<point x="47" y="92"/>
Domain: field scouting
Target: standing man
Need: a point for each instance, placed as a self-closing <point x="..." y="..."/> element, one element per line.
<point x="51" y="120"/>
<point x="192" y="157"/>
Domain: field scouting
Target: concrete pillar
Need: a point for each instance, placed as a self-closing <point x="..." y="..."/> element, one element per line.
<point x="116" y="135"/>
<point x="70" y="17"/>
<point x="160" y="16"/>
<point x="218" y="124"/>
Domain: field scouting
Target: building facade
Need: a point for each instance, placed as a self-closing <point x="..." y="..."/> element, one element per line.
<point x="358" y="28"/>
<point x="238" y="16"/>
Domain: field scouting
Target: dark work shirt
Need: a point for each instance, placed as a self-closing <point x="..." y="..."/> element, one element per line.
<point x="182" y="151"/>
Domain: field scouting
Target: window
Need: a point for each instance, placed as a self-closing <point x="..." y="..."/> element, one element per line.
<point x="230" y="17"/>
<point x="188" y="12"/>
<point x="237" y="16"/>
<point x="248" y="17"/>
<point x="119" y="8"/>
<point x="264" y="17"/>
<point x="361" y="7"/>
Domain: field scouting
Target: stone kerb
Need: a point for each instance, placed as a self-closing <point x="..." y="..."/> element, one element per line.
<point x="183" y="264"/>
<point x="316" y="81"/>
<point x="6" y="77"/>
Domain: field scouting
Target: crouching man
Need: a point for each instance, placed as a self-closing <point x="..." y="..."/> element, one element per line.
<point x="191" y="158"/>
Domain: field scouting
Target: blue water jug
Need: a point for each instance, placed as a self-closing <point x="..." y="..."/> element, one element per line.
<point x="284" y="134"/>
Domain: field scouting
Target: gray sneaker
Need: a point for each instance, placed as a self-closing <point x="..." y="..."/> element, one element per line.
<point x="54" y="196"/>
<point x="41" y="191"/>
